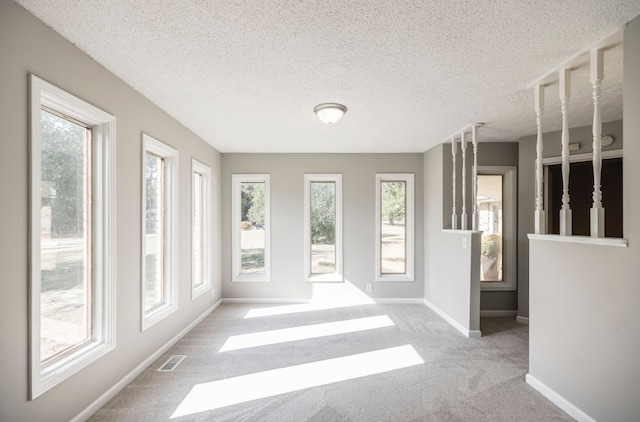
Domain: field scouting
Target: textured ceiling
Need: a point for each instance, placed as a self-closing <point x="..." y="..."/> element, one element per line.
<point x="245" y="75"/>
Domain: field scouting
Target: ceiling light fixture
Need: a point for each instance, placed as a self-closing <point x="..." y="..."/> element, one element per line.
<point x="330" y="112"/>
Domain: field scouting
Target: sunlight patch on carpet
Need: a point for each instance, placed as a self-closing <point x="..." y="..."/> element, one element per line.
<point x="228" y="392"/>
<point x="285" y="335"/>
<point x="323" y="296"/>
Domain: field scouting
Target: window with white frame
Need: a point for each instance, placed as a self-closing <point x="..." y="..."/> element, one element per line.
<point x="72" y="222"/>
<point x="497" y="221"/>
<point x="159" y="231"/>
<point x="323" y="227"/>
<point x="200" y="228"/>
<point x="394" y="227"/>
<point x="251" y="228"/>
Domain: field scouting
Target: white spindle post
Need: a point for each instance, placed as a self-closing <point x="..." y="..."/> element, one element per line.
<point x="597" y="211"/>
<point x="565" y="211"/>
<point x="474" y="141"/>
<point x="540" y="227"/>
<point x="463" y="149"/>
<point x="454" y="217"/>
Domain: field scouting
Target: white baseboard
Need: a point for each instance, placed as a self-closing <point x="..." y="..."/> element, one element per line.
<point x="456" y="324"/>
<point x="494" y="314"/>
<point x="558" y="400"/>
<point x="522" y="319"/>
<point x="120" y="385"/>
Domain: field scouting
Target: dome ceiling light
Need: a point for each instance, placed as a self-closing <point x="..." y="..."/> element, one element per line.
<point x="330" y="112"/>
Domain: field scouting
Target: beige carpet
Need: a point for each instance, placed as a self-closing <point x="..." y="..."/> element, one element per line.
<point x="349" y="363"/>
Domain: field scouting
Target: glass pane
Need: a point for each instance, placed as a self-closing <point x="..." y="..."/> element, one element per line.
<point x="196" y="240"/>
<point x="323" y="227"/>
<point x="393" y="231"/>
<point x="252" y="238"/>
<point x="65" y="236"/>
<point x="154" y="232"/>
<point x="490" y="223"/>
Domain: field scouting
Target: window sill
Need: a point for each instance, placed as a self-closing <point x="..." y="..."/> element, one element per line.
<point x="156" y="315"/>
<point x="497" y="286"/>
<point x="200" y="290"/>
<point x="47" y="377"/>
<point x="600" y="241"/>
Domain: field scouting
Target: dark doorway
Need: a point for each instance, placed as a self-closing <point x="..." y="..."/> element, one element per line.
<point x="581" y="196"/>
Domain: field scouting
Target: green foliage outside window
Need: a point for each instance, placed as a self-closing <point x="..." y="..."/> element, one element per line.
<point x="64" y="158"/>
<point x="393" y="201"/>
<point x="252" y="203"/>
<point x="323" y="213"/>
<point x="491" y="245"/>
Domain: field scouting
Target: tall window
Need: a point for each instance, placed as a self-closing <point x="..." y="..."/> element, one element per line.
<point x="490" y="223"/>
<point x="496" y="220"/>
<point x="323" y="227"/>
<point x="159" y="229"/>
<point x="200" y="228"/>
<point x="72" y="222"/>
<point x="394" y="227"/>
<point x="251" y="227"/>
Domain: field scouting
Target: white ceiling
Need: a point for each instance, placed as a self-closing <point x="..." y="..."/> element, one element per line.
<point x="245" y="74"/>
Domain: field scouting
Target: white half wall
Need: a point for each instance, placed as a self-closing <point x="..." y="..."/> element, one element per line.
<point x="584" y="299"/>
<point x="452" y="257"/>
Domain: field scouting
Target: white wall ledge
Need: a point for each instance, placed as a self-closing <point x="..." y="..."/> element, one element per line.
<point x="601" y="241"/>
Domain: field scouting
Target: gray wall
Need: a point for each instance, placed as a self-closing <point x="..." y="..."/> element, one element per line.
<point x="584" y="326"/>
<point x="526" y="208"/>
<point x="287" y="197"/>
<point x="489" y="154"/>
<point x="28" y="46"/>
<point x="582" y="135"/>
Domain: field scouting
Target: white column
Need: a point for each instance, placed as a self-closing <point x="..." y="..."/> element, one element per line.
<point x="454" y="217"/>
<point x="540" y="224"/>
<point x="565" y="211"/>
<point x="474" y="141"/>
<point x="463" y="149"/>
<point x="597" y="211"/>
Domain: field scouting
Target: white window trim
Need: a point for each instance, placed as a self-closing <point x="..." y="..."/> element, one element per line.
<point x="509" y="214"/>
<point x="236" y="203"/>
<point x="170" y="305"/>
<point x="44" y="377"/>
<point x="338" y="275"/>
<point x="205" y="285"/>
<point x="408" y="178"/>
